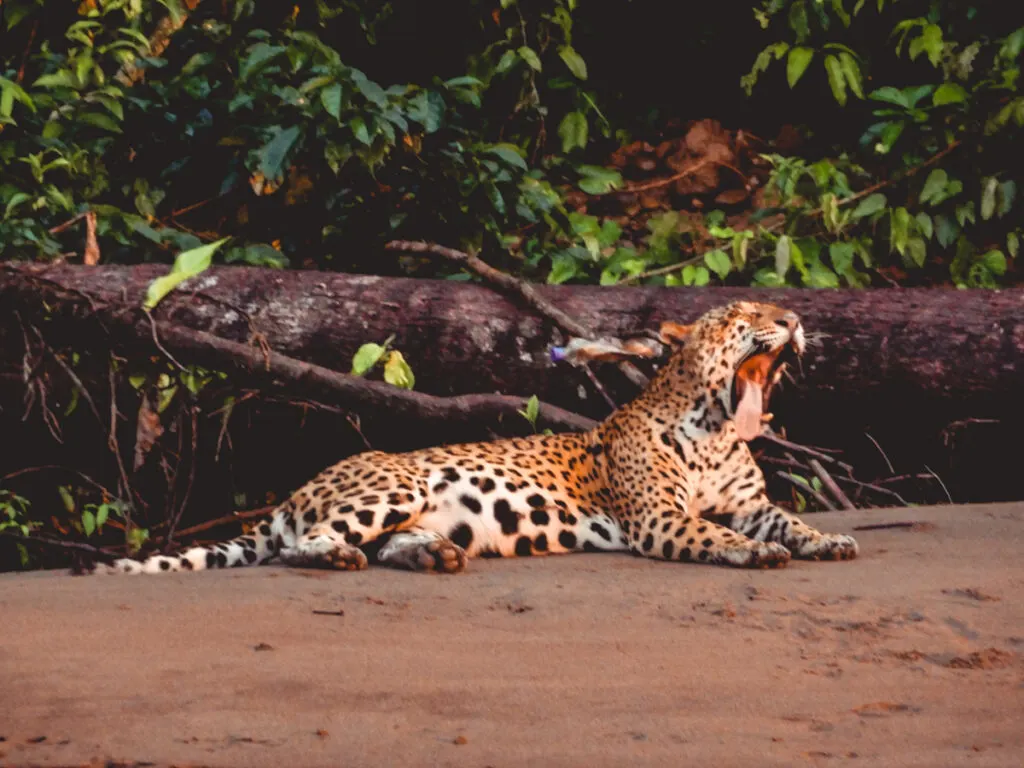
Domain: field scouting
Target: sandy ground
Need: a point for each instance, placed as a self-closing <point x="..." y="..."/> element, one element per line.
<point x="908" y="656"/>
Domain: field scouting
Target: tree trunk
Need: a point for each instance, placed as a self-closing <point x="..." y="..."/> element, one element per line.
<point x="463" y="338"/>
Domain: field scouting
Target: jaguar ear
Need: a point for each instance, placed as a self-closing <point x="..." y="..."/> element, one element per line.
<point x="674" y="333"/>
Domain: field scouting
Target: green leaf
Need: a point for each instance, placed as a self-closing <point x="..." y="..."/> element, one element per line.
<point x="456" y="82"/>
<point x="100" y="120"/>
<point x="272" y="154"/>
<point x="841" y="255"/>
<point x="798" y="19"/>
<point x="869" y="206"/>
<point x="796" y="64"/>
<point x="934" y="187"/>
<point x="88" y="522"/>
<point x="718" y="261"/>
<point x="930" y="43"/>
<point x="988" y="198"/>
<point x="330" y="97"/>
<point x="260" y="55"/>
<point x="1005" y="196"/>
<point x="995" y="261"/>
<point x="527" y="54"/>
<point x="890" y="133"/>
<point x="783" y="253"/>
<point x="66" y="498"/>
<point x="1012" y="244"/>
<point x="599" y="181"/>
<point x="916" y="251"/>
<point x="397" y="371"/>
<point x="836" y="79"/>
<point x="510" y="154"/>
<point x="532" y="410"/>
<point x="899" y="229"/>
<point x="427" y="109"/>
<point x="564" y="267"/>
<point x="366" y="357"/>
<point x="371" y="90"/>
<point x="573" y="131"/>
<point x="890" y="95"/>
<point x="17" y="199"/>
<point x="187" y="264"/>
<point x="701" y="277"/>
<point x="924" y="224"/>
<point x="573" y="61"/>
<point x="851" y="70"/>
<point x="949" y="93"/>
<point x="358" y="126"/>
<point x="102" y="513"/>
<point x="820" y="276"/>
<point x="61" y="79"/>
<point x="506" y="62"/>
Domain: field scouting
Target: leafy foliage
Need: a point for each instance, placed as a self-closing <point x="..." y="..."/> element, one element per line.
<point x="266" y="123"/>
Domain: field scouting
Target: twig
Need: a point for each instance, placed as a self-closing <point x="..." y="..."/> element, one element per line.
<point x="901" y="478"/>
<point x="938" y="479"/>
<point x="176" y="516"/>
<point x="75" y="380"/>
<point x="356" y="424"/>
<point x="815" y="452"/>
<point x="28" y="49"/>
<point x="882" y="526"/>
<point x="806" y="488"/>
<point x="247" y="514"/>
<point x="498" y="278"/>
<point x="663" y="182"/>
<point x="69" y="223"/>
<point x="876" y="488"/>
<point x="879" y="447"/>
<point x="79" y="546"/>
<point x="156" y="342"/>
<point x="274" y="371"/>
<point x="830" y="484"/>
<point x="56" y="467"/>
<point x="509" y="283"/>
<point x="889" y="182"/>
<point x="600" y="387"/>
<point x="328" y="613"/>
<point x="665" y="270"/>
<point x="115" y="448"/>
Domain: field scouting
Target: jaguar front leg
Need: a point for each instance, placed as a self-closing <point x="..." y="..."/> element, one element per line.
<point x="760" y="520"/>
<point x="689" y="538"/>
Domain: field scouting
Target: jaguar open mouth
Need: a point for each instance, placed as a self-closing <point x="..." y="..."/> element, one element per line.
<point x="752" y="386"/>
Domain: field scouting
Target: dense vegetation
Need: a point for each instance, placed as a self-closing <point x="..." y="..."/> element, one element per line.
<point x="312" y="132"/>
<point x="818" y="143"/>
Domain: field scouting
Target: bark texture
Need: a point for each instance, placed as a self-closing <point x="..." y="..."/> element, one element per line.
<point x="463" y="338"/>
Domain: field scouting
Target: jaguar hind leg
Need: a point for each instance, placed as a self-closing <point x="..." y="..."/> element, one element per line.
<point x="421" y="550"/>
<point x="323" y="547"/>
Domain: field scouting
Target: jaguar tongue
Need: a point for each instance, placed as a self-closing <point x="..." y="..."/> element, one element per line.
<point x="751" y="379"/>
<point x="748" y="411"/>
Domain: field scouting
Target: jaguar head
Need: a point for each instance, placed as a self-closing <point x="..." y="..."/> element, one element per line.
<point x="740" y="351"/>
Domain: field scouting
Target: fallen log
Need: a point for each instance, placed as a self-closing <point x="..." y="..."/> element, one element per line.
<point x="898" y="364"/>
<point x="464" y="338"/>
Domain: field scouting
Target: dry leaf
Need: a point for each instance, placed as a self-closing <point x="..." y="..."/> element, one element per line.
<point x="92" y="247"/>
<point x="147" y="431"/>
